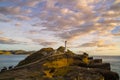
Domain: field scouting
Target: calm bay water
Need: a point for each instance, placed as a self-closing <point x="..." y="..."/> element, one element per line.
<point x="9" y="60"/>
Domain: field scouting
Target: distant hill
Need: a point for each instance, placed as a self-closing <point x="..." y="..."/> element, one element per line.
<point x="51" y="64"/>
<point x="15" y="52"/>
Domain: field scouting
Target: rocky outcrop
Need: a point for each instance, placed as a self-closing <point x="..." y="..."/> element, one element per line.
<point x="105" y="66"/>
<point x="36" y="56"/>
<point x="50" y="64"/>
<point x="108" y="75"/>
<point x="97" y="61"/>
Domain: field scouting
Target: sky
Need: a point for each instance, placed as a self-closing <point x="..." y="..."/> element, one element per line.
<point x="92" y="26"/>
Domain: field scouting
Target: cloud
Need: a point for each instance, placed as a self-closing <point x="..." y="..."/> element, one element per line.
<point x="23" y="41"/>
<point x="99" y="43"/>
<point x="117" y="1"/>
<point x="1" y="32"/>
<point x="80" y="20"/>
<point x="33" y="32"/>
<point x="117" y="34"/>
<point x="109" y="49"/>
<point x="27" y="11"/>
<point x="36" y="24"/>
<point x="8" y="0"/>
<point x="44" y="42"/>
<point x="111" y="14"/>
<point x="21" y="17"/>
<point x="4" y="40"/>
<point x="13" y="11"/>
<point x="3" y="18"/>
<point x="67" y="20"/>
<point x="89" y="44"/>
<point x="18" y="24"/>
<point x="32" y="3"/>
<point x="115" y="7"/>
<point x="48" y="43"/>
<point x="10" y="10"/>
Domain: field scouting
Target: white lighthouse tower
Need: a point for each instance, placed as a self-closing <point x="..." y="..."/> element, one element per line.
<point x="65" y="47"/>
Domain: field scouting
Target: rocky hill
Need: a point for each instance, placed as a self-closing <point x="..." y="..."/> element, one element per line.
<point x="50" y="64"/>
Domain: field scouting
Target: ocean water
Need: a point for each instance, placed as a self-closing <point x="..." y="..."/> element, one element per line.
<point x="9" y="60"/>
<point x="113" y="60"/>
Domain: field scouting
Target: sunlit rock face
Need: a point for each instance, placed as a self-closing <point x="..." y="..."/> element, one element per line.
<point x="37" y="55"/>
<point x="50" y="64"/>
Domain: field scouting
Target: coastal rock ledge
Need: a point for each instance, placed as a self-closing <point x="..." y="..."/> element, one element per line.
<point x="50" y="64"/>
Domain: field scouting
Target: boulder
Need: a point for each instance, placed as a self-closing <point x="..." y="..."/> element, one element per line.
<point x="97" y="60"/>
<point x="108" y="75"/>
<point x="90" y="58"/>
<point x="105" y="66"/>
<point x="78" y="73"/>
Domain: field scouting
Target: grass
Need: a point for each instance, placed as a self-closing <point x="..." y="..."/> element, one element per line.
<point x="53" y="67"/>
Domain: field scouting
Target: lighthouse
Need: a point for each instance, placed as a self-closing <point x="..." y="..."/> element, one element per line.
<point x="65" y="47"/>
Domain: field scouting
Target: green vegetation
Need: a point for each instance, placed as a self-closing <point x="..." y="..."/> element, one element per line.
<point x="5" y="52"/>
<point x="61" y="49"/>
<point x="85" y="58"/>
<point x="70" y="52"/>
<point x="59" y="63"/>
<point x="53" y="67"/>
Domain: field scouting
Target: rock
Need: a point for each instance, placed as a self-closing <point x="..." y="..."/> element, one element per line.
<point x="78" y="73"/>
<point x="61" y="49"/>
<point x="105" y="66"/>
<point x="36" y="56"/>
<point x="50" y="64"/>
<point x="90" y="58"/>
<point x="97" y="61"/>
<point x="108" y="75"/>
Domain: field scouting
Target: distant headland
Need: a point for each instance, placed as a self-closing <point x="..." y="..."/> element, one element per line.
<point x="15" y="52"/>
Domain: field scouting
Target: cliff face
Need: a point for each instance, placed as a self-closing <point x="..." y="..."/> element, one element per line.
<point x="50" y="64"/>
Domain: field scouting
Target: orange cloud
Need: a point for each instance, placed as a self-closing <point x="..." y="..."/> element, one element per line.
<point x="44" y="42"/>
<point x="4" y="40"/>
<point x="117" y="34"/>
<point x="99" y="43"/>
<point x="1" y="32"/>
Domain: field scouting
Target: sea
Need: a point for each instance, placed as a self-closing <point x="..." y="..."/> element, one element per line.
<point x="10" y="60"/>
<point x="13" y="60"/>
<point x="113" y="60"/>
